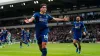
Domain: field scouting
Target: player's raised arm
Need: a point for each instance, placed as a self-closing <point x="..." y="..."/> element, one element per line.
<point x="29" y="20"/>
<point x="59" y="19"/>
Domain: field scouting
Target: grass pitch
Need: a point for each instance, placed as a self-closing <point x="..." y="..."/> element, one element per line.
<point x="57" y="49"/>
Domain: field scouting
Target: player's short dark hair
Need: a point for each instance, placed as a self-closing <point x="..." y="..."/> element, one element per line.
<point x="43" y="5"/>
<point x="22" y="27"/>
<point x="27" y="28"/>
<point x="78" y="16"/>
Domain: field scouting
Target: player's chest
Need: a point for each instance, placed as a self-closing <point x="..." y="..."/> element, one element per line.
<point x="77" y="25"/>
<point x="27" y="33"/>
<point x="43" y="18"/>
<point x="4" y="32"/>
<point x="23" y="32"/>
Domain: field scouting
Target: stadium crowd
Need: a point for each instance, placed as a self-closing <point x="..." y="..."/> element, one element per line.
<point x="84" y="16"/>
<point x="61" y="33"/>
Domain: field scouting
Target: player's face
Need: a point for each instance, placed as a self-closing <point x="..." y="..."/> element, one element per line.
<point x="43" y="9"/>
<point x="4" y="28"/>
<point x="22" y="28"/>
<point x="78" y="18"/>
<point x="27" y="30"/>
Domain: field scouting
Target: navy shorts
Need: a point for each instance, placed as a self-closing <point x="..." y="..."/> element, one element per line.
<point x="77" y="37"/>
<point x="42" y="36"/>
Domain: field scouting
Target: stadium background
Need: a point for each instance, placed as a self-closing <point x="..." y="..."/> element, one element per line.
<point x="13" y="13"/>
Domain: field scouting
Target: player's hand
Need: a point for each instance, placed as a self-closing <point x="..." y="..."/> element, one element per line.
<point x="84" y="33"/>
<point x="70" y="32"/>
<point x="66" y="18"/>
<point x="26" y="20"/>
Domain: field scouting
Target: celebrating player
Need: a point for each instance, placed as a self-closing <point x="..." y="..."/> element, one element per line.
<point x="78" y="26"/>
<point x="41" y="20"/>
<point x="27" y="36"/>
<point x="22" y="37"/>
<point x="4" y="35"/>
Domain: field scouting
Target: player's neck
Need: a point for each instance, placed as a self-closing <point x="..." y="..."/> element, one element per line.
<point x="42" y="13"/>
<point x="77" y="21"/>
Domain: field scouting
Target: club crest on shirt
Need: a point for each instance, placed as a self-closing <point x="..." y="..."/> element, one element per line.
<point x="77" y="26"/>
<point x="42" y="19"/>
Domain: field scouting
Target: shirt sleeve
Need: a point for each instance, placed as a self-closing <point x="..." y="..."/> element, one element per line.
<point x="35" y="15"/>
<point x="50" y="17"/>
<point x="84" y="27"/>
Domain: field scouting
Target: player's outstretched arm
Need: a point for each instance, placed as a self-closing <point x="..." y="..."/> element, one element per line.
<point x="29" y="20"/>
<point x="59" y="19"/>
<point x="84" y="29"/>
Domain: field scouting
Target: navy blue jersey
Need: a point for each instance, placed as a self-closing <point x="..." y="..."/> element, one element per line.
<point x="78" y="27"/>
<point x="41" y="21"/>
<point x="4" y="33"/>
<point x="23" y="33"/>
<point x="27" y="34"/>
